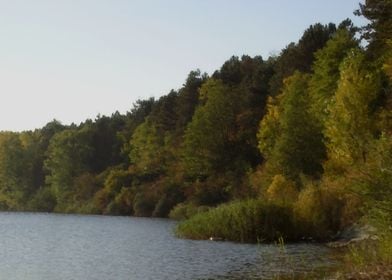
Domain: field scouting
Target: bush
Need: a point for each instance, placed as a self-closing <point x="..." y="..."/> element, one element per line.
<point x="318" y="212"/>
<point x="243" y="221"/>
<point x="282" y="191"/>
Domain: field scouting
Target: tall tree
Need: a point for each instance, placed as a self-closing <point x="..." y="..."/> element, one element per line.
<point x="136" y="116"/>
<point x="69" y="154"/>
<point x="298" y="148"/>
<point x="13" y="164"/>
<point x="211" y="143"/>
<point x="324" y="80"/>
<point x="147" y="149"/>
<point x="300" y="56"/>
<point x="270" y="127"/>
<point x="188" y="99"/>
<point x="106" y="144"/>
<point x="349" y="128"/>
<point x="379" y="29"/>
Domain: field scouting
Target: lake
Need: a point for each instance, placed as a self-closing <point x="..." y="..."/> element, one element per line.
<point x="64" y="247"/>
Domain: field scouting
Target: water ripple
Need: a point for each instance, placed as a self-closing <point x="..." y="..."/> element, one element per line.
<point x="66" y="247"/>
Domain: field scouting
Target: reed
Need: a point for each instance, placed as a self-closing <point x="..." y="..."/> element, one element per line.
<point x="242" y="221"/>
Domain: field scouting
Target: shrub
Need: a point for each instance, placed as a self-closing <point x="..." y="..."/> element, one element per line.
<point x="317" y="212"/>
<point x="282" y="191"/>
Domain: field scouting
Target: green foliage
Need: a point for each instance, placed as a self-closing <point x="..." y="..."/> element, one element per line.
<point x="270" y="127"/>
<point x="83" y="189"/>
<point x="211" y="134"/>
<point x="324" y="81"/>
<point x="372" y="180"/>
<point x="69" y="152"/>
<point x="115" y="196"/>
<point x="287" y="134"/>
<point x="13" y="164"/>
<point x="188" y="99"/>
<point x="379" y="28"/>
<point x="318" y="212"/>
<point x="319" y="113"/>
<point x="245" y="221"/>
<point x="163" y="114"/>
<point x="388" y="61"/>
<point x="135" y="117"/>
<point x="105" y="143"/>
<point x="184" y="211"/>
<point x="298" y="149"/>
<point x="350" y="126"/>
<point x="147" y="151"/>
<point x="43" y="200"/>
<point x="300" y="56"/>
<point x="122" y="204"/>
<point x="282" y="191"/>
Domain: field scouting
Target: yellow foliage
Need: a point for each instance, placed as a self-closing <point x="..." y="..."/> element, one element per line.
<point x="269" y="127"/>
<point x="388" y="63"/>
<point x="282" y="190"/>
<point x="307" y="208"/>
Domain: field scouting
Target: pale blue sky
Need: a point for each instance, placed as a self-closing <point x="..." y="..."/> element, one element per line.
<point x="73" y="59"/>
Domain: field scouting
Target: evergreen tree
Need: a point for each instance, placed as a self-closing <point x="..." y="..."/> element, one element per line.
<point x="324" y="80"/>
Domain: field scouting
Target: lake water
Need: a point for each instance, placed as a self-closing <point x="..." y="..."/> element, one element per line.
<point x="66" y="247"/>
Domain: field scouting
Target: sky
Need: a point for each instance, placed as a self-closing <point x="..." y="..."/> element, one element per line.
<point x="74" y="59"/>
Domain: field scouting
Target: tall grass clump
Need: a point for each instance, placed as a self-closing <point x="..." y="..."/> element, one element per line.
<point x="242" y="221"/>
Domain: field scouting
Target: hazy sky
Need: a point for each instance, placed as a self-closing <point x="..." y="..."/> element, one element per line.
<point x="72" y="59"/>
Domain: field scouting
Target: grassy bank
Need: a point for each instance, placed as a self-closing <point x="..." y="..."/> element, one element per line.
<point x="243" y="221"/>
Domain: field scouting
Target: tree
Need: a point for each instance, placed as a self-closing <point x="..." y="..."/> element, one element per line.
<point x="12" y="166"/>
<point x="105" y="143"/>
<point x="68" y="155"/>
<point x="324" y="81"/>
<point x="349" y="127"/>
<point x="210" y="143"/>
<point x="249" y="78"/>
<point x="288" y="136"/>
<point x="136" y="116"/>
<point x="300" y="56"/>
<point x="34" y="155"/>
<point x="163" y="113"/>
<point x="188" y="99"/>
<point x="379" y="29"/>
<point x="147" y="149"/>
<point x="299" y="148"/>
<point x="270" y="128"/>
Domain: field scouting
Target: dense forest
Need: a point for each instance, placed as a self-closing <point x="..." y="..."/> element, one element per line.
<point x="303" y="137"/>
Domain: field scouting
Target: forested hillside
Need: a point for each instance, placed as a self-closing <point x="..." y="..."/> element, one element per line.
<point x="307" y="132"/>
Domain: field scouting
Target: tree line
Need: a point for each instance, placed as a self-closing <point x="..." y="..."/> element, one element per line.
<point x="310" y="127"/>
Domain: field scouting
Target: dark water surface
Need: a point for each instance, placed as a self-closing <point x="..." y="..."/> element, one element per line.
<point x="66" y="247"/>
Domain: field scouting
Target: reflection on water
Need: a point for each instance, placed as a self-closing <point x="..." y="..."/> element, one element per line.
<point x="49" y="246"/>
